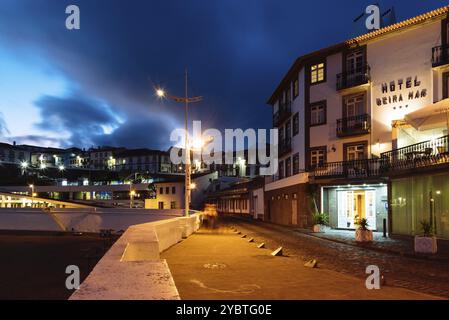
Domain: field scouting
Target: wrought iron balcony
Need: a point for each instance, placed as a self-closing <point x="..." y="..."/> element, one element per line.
<point x="440" y="55"/>
<point x="355" y="125"/>
<point x="363" y="168"/>
<point x="353" y="78"/>
<point x="285" y="111"/>
<point x="285" y="146"/>
<point x="426" y="154"/>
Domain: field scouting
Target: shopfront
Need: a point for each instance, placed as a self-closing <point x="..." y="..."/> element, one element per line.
<point x="418" y="198"/>
<point x="348" y="204"/>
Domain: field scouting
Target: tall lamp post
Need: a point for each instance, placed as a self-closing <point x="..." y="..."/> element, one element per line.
<point x="186" y="100"/>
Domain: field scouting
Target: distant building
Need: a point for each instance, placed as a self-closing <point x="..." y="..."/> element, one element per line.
<point x="13" y="154"/>
<point x="142" y="160"/>
<point x="245" y="197"/>
<point x="169" y="192"/>
<point x="103" y="158"/>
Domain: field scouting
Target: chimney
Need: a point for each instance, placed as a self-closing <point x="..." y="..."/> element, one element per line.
<point x="13" y="143"/>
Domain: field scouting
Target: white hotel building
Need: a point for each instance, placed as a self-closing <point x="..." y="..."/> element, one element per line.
<point x="363" y="130"/>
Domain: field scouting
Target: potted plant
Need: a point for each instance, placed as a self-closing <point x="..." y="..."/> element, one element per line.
<point x="427" y="242"/>
<point x="320" y="220"/>
<point x="362" y="233"/>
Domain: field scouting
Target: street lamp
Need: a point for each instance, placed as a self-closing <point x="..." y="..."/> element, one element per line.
<point x="132" y="193"/>
<point x="24" y="166"/>
<point x="32" y="194"/>
<point x="161" y="93"/>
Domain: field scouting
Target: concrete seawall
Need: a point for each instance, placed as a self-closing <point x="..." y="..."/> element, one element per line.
<point x="83" y="220"/>
<point x="132" y="268"/>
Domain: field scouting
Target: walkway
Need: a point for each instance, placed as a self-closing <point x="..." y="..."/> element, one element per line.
<point x="220" y="264"/>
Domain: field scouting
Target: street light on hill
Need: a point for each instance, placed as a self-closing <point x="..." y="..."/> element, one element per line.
<point x="161" y="93"/>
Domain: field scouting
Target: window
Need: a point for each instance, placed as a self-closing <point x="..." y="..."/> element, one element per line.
<point x="288" y="96"/>
<point x="354" y="105"/>
<point x="318" y="113"/>
<point x="161" y="205"/>
<point x="317" y="156"/>
<point x="173" y="190"/>
<point x="161" y="190"/>
<point x="445" y="85"/>
<point x="296" y="163"/>
<point x="173" y="205"/>
<point x="317" y="73"/>
<point x="295" y="88"/>
<point x="295" y="124"/>
<point x="288" y="130"/>
<point x="281" y="134"/>
<point x="281" y="169"/>
<point x="288" y="167"/>
<point x="355" y="151"/>
<point x="355" y="62"/>
<point x="167" y="190"/>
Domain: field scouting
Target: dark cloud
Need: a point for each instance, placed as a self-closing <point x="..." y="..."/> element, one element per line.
<point x="84" y="119"/>
<point x="93" y="123"/>
<point x="149" y="133"/>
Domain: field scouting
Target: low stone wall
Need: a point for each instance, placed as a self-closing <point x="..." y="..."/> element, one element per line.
<point x="83" y="220"/>
<point x="132" y="268"/>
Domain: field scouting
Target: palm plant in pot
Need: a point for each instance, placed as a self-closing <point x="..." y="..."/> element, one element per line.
<point x="426" y="242"/>
<point x="362" y="233"/>
<point x="320" y="221"/>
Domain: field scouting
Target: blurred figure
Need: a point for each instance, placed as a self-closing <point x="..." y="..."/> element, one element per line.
<point x="210" y="216"/>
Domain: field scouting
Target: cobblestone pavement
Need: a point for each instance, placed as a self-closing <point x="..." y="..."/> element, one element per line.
<point x="398" y="245"/>
<point x="427" y="276"/>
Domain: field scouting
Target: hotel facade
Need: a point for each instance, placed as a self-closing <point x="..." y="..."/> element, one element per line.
<point x="363" y="131"/>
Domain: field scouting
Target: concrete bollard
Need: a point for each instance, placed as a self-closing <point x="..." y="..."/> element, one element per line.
<point x="277" y="252"/>
<point x="261" y="245"/>
<point x="311" y="264"/>
<point x="251" y="240"/>
<point x="244" y="236"/>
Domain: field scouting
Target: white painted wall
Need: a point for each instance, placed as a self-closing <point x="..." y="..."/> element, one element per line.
<point x="84" y="220"/>
<point x="258" y="203"/>
<point x="402" y="55"/>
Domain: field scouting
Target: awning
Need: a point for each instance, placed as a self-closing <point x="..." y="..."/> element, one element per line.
<point x="430" y="117"/>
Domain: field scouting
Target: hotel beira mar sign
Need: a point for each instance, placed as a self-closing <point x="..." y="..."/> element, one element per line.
<point x="401" y="92"/>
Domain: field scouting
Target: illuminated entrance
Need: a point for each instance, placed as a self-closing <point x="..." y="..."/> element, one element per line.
<point x="354" y="205"/>
<point x="346" y="204"/>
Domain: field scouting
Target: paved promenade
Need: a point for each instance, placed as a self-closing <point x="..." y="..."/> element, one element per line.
<point x="220" y="264"/>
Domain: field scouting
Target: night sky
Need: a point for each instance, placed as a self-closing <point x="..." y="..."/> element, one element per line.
<point x="94" y="86"/>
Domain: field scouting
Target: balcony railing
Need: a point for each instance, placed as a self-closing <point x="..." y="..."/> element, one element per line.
<point x="353" y="78"/>
<point x="363" y="168"/>
<point x="285" y="111"/>
<point x="355" y="125"/>
<point x="440" y="55"/>
<point x="420" y="155"/>
<point x="285" y="146"/>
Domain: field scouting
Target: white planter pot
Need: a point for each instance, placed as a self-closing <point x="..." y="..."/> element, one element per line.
<point x="318" y="228"/>
<point x="425" y="244"/>
<point x="363" y="235"/>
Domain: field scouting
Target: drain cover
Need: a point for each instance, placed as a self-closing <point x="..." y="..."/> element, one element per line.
<point x="214" y="266"/>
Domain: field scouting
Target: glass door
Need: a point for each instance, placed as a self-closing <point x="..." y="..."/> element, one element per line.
<point x="354" y="205"/>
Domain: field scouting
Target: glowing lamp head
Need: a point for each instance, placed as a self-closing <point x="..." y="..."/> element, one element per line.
<point x="61" y="168"/>
<point x="31" y="185"/>
<point x="24" y="165"/>
<point x="160" y="93"/>
<point x="132" y="193"/>
<point x="34" y="194"/>
<point x="193" y="186"/>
